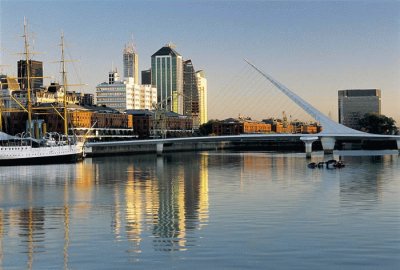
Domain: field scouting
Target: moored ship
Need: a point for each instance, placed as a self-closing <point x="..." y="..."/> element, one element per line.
<point x="23" y="149"/>
<point x="26" y="151"/>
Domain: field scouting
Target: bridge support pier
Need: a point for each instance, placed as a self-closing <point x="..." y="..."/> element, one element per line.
<point x="398" y="144"/>
<point x="308" y="141"/>
<point x="160" y="147"/>
<point x="328" y="144"/>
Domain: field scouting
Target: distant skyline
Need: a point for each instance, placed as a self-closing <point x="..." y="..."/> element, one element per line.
<point x="314" y="47"/>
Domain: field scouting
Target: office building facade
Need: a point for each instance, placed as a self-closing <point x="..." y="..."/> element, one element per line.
<point x="131" y="63"/>
<point x="190" y="93"/>
<point x="167" y="77"/>
<point x="36" y="73"/>
<point x="202" y="94"/>
<point x="125" y="95"/>
<point x="146" y="76"/>
<point x="354" y="104"/>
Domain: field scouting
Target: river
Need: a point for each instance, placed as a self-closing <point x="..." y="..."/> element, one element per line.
<point x="204" y="210"/>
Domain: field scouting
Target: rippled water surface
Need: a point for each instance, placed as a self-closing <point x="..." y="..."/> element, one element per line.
<point x="210" y="210"/>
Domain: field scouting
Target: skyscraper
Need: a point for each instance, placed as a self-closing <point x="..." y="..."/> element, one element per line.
<point x="131" y="63"/>
<point x="354" y="104"/>
<point x="36" y="73"/>
<point x="202" y="93"/>
<point x="166" y="76"/>
<point x="146" y="76"/>
<point x="190" y="93"/>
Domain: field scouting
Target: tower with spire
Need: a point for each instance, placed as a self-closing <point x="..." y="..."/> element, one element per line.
<point x="131" y="62"/>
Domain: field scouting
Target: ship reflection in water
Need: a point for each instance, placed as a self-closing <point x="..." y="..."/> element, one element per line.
<point x="260" y="209"/>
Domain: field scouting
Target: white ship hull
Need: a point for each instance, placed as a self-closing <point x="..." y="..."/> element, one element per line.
<point x="27" y="155"/>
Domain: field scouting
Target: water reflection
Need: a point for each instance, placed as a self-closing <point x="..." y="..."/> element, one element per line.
<point x="162" y="194"/>
<point x="363" y="186"/>
<point x="143" y="204"/>
<point x="142" y="195"/>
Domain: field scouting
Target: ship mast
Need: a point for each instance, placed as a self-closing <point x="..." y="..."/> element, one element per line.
<point x="64" y="83"/>
<point x="28" y="79"/>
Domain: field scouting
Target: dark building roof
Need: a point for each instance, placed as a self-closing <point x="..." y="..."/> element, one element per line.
<point x="151" y="113"/>
<point x="360" y="92"/>
<point x="53" y="87"/>
<point x="140" y="112"/>
<point x="99" y="109"/>
<point x="166" y="50"/>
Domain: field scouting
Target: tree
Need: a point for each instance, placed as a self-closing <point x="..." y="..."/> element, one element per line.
<point x="206" y="128"/>
<point x="378" y="124"/>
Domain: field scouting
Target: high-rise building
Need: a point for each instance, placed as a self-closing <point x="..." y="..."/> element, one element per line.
<point x="190" y="93"/>
<point x="131" y="63"/>
<point x="36" y="73"/>
<point x="202" y="90"/>
<point x="354" y="104"/>
<point x="167" y="77"/>
<point x="146" y="76"/>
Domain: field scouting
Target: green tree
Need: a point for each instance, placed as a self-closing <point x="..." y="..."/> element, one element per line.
<point x="206" y="128"/>
<point x="378" y="124"/>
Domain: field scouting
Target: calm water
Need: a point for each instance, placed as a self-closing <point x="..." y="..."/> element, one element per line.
<point x="215" y="210"/>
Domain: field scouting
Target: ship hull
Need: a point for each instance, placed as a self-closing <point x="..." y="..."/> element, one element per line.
<point x="72" y="158"/>
<point x="27" y="155"/>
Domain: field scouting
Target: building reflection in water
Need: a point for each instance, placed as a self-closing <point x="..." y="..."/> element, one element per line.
<point x="1" y="236"/>
<point x="168" y="199"/>
<point x="160" y="200"/>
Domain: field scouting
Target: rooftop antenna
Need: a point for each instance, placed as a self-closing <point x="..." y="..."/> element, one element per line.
<point x="133" y="43"/>
<point x="171" y="45"/>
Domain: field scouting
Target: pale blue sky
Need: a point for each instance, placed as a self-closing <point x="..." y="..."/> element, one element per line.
<point x="313" y="47"/>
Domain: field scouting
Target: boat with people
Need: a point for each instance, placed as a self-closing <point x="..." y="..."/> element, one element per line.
<point x="52" y="147"/>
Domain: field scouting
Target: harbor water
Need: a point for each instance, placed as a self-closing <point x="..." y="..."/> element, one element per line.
<point x="204" y="210"/>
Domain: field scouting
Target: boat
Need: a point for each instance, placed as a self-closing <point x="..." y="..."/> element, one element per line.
<point x="24" y="149"/>
<point x="15" y="150"/>
<point x="330" y="164"/>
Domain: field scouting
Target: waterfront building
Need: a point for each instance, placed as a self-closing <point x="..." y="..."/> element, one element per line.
<point x="167" y="77"/>
<point x="202" y="94"/>
<point x="89" y="121"/>
<point x="154" y="124"/>
<point x="54" y="93"/>
<point x="131" y="63"/>
<point x="125" y="95"/>
<point x="8" y="86"/>
<point x="115" y="94"/>
<point x="86" y="99"/>
<point x="190" y="93"/>
<point x="237" y="126"/>
<point x="355" y="103"/>
<point x="36" y="74"/>
<point x="146" y="76"/>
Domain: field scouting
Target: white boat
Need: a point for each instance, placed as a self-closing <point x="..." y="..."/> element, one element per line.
<point x="52" y="148"/>
<point x="26" y="151"/>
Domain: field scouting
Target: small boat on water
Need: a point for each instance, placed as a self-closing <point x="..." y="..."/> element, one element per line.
<point x="330" y="164"/>
<point x="23" y="149"/>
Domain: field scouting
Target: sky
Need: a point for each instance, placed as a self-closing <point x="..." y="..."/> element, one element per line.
<point x="313" y="47"/>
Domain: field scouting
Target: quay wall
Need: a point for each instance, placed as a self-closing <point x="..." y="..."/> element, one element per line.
<point x="152" y="148"/>
<point x="115" y="149"/>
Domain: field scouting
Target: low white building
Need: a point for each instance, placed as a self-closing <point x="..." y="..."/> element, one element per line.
<point x="125" y="95"/>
